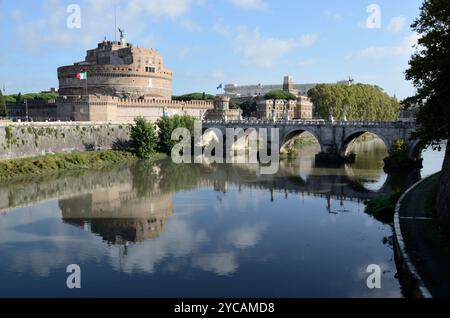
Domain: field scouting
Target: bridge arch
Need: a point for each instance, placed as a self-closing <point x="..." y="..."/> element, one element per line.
<point x="415" y="149"/>
<point x="349" y="139"/>
<point x="291" y="135"/>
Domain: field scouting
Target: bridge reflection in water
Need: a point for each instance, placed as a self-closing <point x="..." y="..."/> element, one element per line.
<point x="133" y="203"/>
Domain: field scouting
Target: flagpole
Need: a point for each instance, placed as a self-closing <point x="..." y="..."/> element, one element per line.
<point x="87" y="96"/>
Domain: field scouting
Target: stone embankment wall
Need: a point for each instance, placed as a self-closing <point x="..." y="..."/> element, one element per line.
<point x="21" y="140"/>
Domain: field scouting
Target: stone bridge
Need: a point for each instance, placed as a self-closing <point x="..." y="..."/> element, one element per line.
<point x="333" y="137"/>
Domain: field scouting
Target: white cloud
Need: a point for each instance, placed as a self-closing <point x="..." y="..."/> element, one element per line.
<point x="163" y="8"/>
<point x="308" y="62"/>
<point x="97" y="19"/>
<point x="222" y="29"/>
<point x="261" y="50"/>
<point x="259" y="5"/>
<point x="246" y="236"/>
<point x="190" y="25"/>
<point x="308" y="40"/>
<point x="406" y="47"/>
<point x="334" y="16"/>
<point x="396" y="24"/>
<point x="222" y="264"/>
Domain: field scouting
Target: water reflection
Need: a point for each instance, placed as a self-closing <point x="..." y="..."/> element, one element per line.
<point x="118" y="215"/>
<point x="197" y="230"/>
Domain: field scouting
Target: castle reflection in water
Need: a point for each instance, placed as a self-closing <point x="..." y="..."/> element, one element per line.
<point x="118" y="215"/>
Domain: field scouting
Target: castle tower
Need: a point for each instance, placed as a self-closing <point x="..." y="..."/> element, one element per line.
<point x="288" y="85"/>
<point x="221" y="103"/>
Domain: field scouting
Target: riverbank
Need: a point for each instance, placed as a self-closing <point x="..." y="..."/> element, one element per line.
<point x="41" y="165"/>
<point x="422" y="246"/>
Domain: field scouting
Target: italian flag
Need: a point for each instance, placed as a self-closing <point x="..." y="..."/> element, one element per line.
<point x="82" y="76"/>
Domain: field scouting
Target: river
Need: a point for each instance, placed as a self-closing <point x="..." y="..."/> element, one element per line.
<point x="166" y="230"/>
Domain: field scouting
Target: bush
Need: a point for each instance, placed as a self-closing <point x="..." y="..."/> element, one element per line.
<point x="383" y="209"/>
<point x="143" y="138"/>
<point x="399" y="158"/>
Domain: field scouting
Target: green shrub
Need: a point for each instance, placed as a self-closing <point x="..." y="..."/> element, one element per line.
<point x="399" y="158"/>
<point x="383" y="209"/>
<point x="167" y="125"/>
<point x="143" y="138"/>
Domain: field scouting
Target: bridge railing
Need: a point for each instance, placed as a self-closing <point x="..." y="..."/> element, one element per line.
<point x="259" y="122"/>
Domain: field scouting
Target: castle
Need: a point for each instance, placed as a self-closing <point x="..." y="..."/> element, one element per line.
<point x="117" y="82"/>
<point x="121" y="82"/>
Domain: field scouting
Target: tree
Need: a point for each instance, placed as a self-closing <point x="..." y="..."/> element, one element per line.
<point x="166" y="125"/>
<point x="2" y="105"/>
<point x="194" y="96"/>
<point x="355" y="102"/>
<point x="248" y="107"/>
<point x="429" y="69"/>
<point x="143" y="138"/>
<point x="280" y="95"/>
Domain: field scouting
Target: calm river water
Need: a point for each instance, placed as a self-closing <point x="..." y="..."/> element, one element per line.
<point x="165" y="230"/>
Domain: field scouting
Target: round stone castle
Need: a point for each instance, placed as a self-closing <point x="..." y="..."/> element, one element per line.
<point x="118" y="69"/>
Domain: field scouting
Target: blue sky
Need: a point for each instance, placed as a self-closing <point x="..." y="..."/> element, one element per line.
<point x="208" y="42"/>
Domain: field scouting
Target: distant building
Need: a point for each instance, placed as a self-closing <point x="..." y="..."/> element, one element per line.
<point x="33" y="110"/>
<point x="302" y="108"/>
<point x="222" y="110"/>
<point x="236" y="91"/>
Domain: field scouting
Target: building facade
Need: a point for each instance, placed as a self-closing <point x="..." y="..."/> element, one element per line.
<point x="299" y="109"/>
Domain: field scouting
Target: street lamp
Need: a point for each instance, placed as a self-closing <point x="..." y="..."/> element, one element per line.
<point x="26" y="108"/>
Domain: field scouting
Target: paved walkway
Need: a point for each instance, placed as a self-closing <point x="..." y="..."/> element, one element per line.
<point x="427" y="249"/>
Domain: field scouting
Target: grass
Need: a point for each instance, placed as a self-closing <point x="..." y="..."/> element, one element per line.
<point x="383" y="209"/>
<point x="36" y="166"/>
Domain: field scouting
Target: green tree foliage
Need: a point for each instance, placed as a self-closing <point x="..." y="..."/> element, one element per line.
<point x="2" y="105"/>
<point x="143" y="138"/>
<point x="31" y="96"/>
<point x="193" y="96"/>
<point x="429" y="70"/>
<point x="248" y="107"/>
<point x="234" y="105"/>
<point x="166" y="125"/>
<point x="280" y="95"/>
<point x="9" y="99"/>
<point x="356" y="102"/>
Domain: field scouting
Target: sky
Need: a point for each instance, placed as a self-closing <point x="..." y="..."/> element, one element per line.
<point x="209" y="42"/>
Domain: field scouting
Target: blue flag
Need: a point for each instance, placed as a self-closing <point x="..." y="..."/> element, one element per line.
<point x="220" y="86"/>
